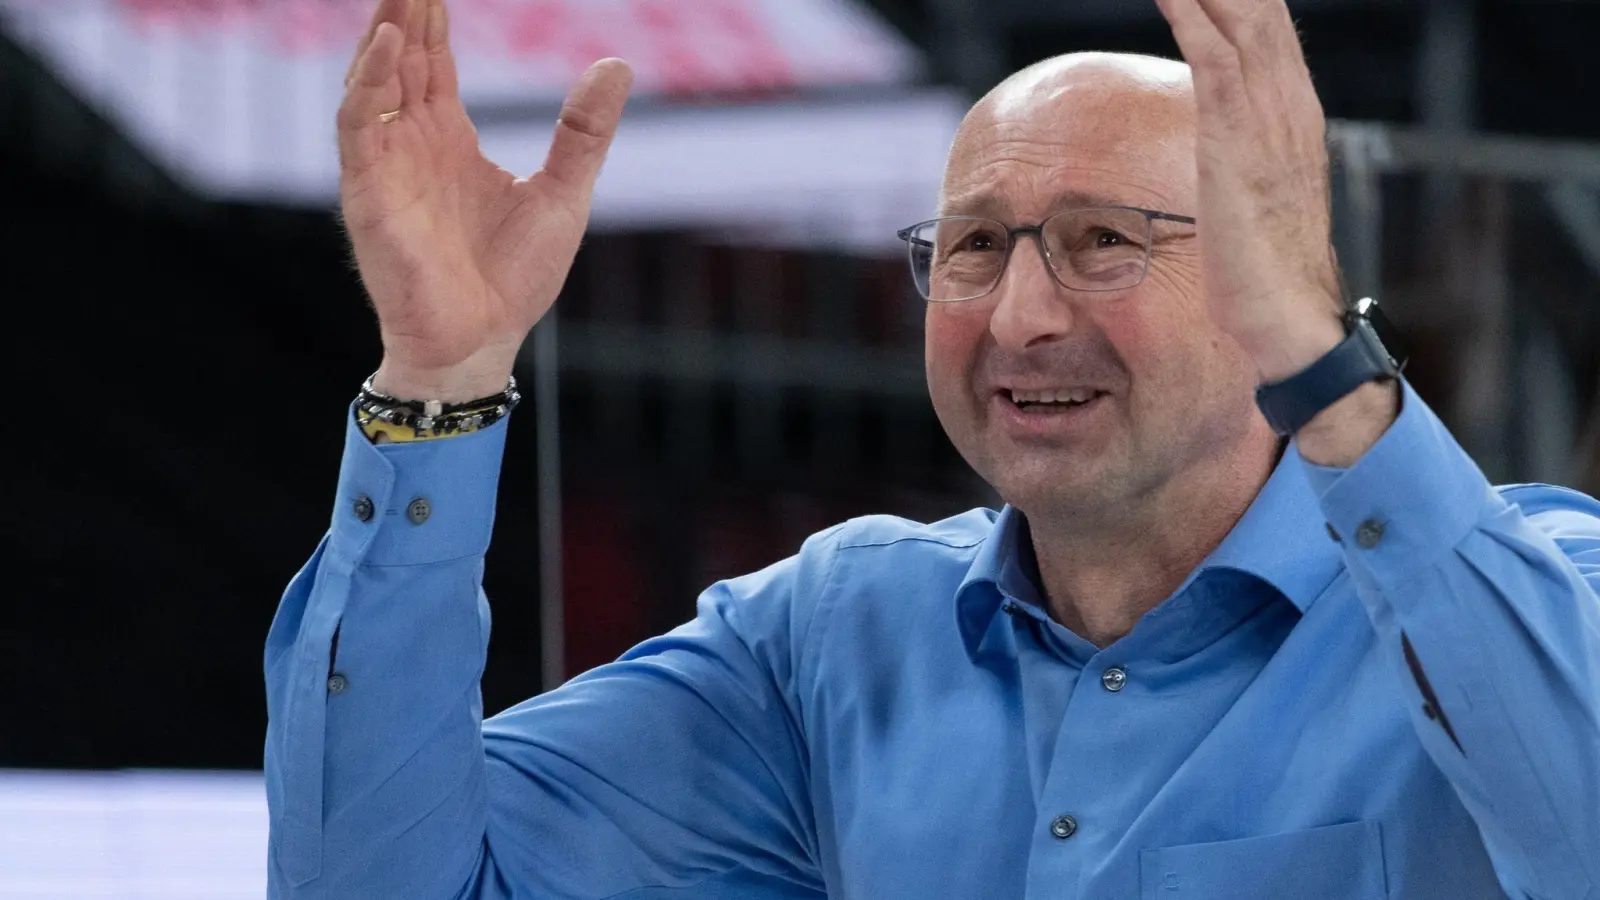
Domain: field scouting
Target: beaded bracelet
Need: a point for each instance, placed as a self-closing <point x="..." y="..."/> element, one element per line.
<point x="433" y="418"/>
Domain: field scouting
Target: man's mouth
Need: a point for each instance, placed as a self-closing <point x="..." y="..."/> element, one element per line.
<point x="1047" y="400"/>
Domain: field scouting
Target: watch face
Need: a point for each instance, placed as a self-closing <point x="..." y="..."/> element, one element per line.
<point x="1388" y="337"/>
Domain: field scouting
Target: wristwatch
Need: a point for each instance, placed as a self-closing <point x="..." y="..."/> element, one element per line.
<point x="1371" y="351"/>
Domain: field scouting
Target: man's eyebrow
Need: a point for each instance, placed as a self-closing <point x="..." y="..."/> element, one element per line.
<point x="974" y="205"/>
<point x="992" y="206"/>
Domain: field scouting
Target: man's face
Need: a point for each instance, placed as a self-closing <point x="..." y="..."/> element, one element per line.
<point x="1170" y="392"/>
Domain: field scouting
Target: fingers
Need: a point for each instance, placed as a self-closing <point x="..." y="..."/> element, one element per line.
<point x="1214" y="59"/>
<point x="1261" y="29"/>
<point x="373" y="90"/>
<point x="1197" y="35"/>
<point x="441" y="60"/>
<point x="1260" y="36"/>
<point x="1235" y="19"/>
<point x="588" y="123"/>
<point x="414" y="55"/>
<point x="1268" y="65"/>
<point x="384" y="11"/>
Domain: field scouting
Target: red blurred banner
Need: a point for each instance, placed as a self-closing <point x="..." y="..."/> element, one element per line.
<point x="677" y="46"/>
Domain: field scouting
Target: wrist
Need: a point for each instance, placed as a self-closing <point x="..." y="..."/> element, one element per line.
<point x="483" y="374"/>
<point x="1343" y="433"/>
<point x="1292" y="351"/>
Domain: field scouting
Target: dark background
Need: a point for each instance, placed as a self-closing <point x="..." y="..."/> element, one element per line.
<point x="182" y="369"/>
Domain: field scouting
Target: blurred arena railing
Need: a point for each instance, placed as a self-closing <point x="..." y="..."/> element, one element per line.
<point x="1488" y="249"/>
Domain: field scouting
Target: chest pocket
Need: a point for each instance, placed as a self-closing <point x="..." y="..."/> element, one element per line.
<point x="1335" y="862"/>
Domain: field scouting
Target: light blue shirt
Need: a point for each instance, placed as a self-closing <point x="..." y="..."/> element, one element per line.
<point x="1410" y="712"/>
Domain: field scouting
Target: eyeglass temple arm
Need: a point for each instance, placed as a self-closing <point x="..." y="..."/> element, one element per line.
<point x="1169" y="217"/>
<point x="905" y="234"/>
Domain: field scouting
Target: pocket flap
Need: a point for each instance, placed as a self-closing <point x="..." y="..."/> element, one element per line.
<point x="1335" y="862"/>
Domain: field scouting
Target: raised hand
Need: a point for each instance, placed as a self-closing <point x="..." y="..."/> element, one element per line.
<point x="1266" y="254"/>
<point x="461" y="258"/>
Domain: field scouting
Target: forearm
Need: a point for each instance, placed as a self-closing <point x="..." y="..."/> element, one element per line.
<point x="375" y="764"/>
<point x="1489" y="615"/>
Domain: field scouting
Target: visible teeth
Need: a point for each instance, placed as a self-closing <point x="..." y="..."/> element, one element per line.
<point x="1079" y="395"/>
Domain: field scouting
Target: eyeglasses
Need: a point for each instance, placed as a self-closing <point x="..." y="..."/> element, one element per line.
<point x="1098" y="249"/>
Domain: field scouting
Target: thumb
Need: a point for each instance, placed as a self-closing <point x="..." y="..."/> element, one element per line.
<point x="588" y="123"/>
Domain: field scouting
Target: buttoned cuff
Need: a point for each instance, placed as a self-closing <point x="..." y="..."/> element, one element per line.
<point x="416" y="503"/>
<point x="1411" y="499"/>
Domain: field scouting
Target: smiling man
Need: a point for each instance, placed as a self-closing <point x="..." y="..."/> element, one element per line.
<point x="1251" y="624"/>
<point x="1080" y="373"/>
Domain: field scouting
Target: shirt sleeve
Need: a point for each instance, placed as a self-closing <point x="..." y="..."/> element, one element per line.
<point x="1485" y="601"/>
<point x="679" y="766"/>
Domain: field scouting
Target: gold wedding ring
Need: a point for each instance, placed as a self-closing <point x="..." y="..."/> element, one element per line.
<point x="388" y="117"/>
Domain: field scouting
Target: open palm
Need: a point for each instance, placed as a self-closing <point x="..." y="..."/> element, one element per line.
<point x="461" y="258"/>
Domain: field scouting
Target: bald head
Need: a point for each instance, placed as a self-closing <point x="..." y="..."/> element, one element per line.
<point x="1040" y="87"/>
<point x="1104" y="110"/>
<point x="1127" y="74"/>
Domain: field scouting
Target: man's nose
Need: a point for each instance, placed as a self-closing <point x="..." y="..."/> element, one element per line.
<point x="1031" y="309"/>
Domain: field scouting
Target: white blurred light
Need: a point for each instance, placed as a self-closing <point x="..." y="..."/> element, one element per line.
<point x="132" y="836"/>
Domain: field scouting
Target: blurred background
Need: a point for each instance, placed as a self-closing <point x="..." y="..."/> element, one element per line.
<point x="736" y="361"/>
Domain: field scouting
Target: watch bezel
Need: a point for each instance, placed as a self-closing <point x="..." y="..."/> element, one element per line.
<point x="1378" y="335"/>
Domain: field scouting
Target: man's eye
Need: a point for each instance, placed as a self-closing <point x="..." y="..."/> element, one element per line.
<point x="1108" y="238"/>
<point x="979" y="242"/>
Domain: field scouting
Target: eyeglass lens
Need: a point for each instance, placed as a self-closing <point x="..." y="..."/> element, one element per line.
<point x="961" y="258"/>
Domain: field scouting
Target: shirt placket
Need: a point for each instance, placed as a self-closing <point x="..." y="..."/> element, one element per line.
<point x="1075" y="823"/>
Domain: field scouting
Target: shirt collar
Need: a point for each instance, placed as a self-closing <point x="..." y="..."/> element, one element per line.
<point x="1282" y="539"/>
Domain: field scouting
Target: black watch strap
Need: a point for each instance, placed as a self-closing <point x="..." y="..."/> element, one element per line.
<point x="1368" y="353"/>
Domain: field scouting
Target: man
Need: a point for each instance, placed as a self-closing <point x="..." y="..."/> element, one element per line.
<point x="1189" y="659"/>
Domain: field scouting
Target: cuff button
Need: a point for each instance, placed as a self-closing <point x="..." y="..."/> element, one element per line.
<point x="419" y="511"/>
<point x="1369" y="534"/>
<point x="1063" y="827"/>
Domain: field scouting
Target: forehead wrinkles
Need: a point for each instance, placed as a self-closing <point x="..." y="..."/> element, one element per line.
<point x="1033" y="177"/>
<point x="1086" y="123"/>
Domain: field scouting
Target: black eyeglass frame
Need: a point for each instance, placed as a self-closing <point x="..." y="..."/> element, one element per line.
<point x="907" y="234"/>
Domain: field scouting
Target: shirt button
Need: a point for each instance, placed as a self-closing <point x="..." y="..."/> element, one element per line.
<point x="419" y="511"/>
<point x="1113" y="679"/>
<point x="363" y="508"/>
<point x="337" y="684"/>
<point x="1369" y="534"/>
<point x="1063" y="827"/>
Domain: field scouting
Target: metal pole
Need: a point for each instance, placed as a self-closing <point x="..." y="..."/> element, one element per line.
<point x="1478" y="277"/>
<point x="1586" y="474"/>
<point x="966" y="47"/>
<point x="1447" y="84"/>
<point x="757" y="406"/>
<point x="1361" y="152"/>
<point x="547" y="412"/>
<point x="1408" y="148"/>
<point x="1546" y="418"/>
